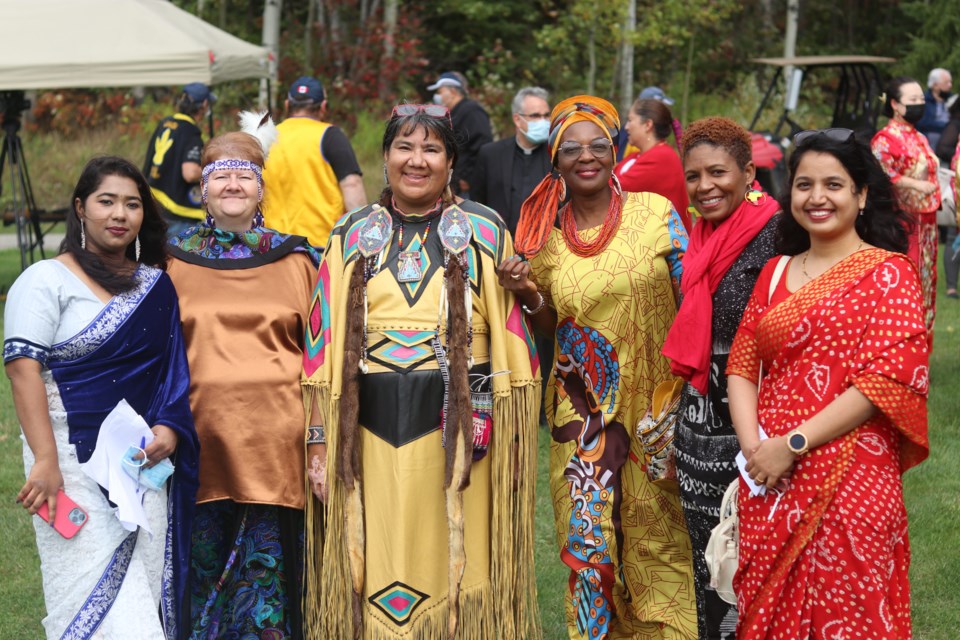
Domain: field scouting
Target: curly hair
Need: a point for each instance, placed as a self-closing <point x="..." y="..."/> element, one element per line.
<point x="882" y="224"/>
<point x="719" y="132"/>
<point x="153" y="229"/>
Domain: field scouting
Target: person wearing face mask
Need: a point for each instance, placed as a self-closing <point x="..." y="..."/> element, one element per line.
<point x="912" y="166"/>
<point x="471" y="125"/>
<point x="936" y="114"/>
<point x="508" y="170"/>
<point x="172" y="165"/>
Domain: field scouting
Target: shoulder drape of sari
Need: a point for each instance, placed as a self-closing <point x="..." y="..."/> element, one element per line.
<point x="134" y="351"/>
<point x="513" y="612"/>
<point x="859" y="325"/>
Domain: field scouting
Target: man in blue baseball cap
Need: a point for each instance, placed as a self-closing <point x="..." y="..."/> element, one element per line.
<point x="655" y="93"/>
<point x="470" y="122"/>
<point x="311" y="177"/>
<point x="172" y="166"/>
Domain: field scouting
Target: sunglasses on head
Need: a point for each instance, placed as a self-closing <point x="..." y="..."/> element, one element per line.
<point x="432" y="110"/>
<point x="836" y="134"/>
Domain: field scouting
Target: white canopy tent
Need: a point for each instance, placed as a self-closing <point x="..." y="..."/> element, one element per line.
<point x="54" y="44"/>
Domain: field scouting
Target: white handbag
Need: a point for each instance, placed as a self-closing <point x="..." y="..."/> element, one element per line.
<point x="947" y="213"/>
<point x="723" y="548"/>
<point x="722" y="554"/>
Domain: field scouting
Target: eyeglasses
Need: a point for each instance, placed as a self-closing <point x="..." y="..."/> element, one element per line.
<point x="534" y="116"/>
<point x="432" y="110"/>
<point x="600" y="148"/>
<point x="836" y="134"/>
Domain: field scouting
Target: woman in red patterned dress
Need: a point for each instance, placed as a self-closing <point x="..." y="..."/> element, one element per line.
<point x="840" y="336"/>
<point x="912" y="165"/>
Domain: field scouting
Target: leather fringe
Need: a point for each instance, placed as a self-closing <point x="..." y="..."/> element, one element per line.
<point x="349" y="452"/>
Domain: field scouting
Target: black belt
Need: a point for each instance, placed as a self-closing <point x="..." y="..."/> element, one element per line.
<point x="401" y="407"/>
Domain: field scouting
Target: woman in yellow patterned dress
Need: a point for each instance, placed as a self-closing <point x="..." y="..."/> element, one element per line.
<point x="605" y="284"/>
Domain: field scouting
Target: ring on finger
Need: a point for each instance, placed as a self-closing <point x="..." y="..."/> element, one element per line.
<point x="515" y="276"/>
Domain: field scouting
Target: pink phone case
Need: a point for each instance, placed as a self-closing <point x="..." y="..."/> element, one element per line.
<point x="70" y="516"/>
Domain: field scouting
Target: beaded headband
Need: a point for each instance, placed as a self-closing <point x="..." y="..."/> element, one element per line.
<point x="235" y="164"/>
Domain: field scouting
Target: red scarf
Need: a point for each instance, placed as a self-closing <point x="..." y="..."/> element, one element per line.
<point x="710" y="254"/>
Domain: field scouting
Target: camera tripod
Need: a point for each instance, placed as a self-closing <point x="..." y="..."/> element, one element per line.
<point x="24" y="207"/>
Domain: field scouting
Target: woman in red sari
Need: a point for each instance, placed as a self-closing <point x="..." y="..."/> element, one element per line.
<point x="912" y="165"/>
<point x="842" y="344"/>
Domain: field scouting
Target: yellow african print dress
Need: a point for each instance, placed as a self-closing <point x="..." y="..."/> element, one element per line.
<point x="403" y="553"/>
<point x="623" y="538"/>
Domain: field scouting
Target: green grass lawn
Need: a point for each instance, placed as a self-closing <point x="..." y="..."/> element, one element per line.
<point x="932" y="490"/>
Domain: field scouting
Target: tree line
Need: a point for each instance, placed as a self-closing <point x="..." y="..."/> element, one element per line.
<point x="387" y="50"/>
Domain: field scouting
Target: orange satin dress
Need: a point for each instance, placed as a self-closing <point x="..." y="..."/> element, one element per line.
<point x="244" y="332"/>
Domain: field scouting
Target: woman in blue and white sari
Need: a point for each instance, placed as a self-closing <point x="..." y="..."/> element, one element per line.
<point x="96" y="325"/>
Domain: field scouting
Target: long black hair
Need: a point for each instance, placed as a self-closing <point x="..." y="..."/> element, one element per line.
<point x="153" y="230"/>
<point x="405" y="125"/>
<point x="882" y="224"/>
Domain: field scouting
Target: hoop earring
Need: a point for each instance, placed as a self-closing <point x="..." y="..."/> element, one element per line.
<point x="136" y="249"/>
<point x="83" y="236"/>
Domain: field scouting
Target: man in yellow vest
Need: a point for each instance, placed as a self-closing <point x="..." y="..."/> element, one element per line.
<point x="311" y="177"/>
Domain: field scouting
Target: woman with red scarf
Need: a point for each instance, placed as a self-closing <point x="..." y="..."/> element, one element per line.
<point x="912" y="166"/>
<point x="840" y="338"/>
<point x="727" y="250"/>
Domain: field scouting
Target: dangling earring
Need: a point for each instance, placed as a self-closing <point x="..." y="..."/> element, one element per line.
<point x="753" y="195"/>
<point x="861" y="212"/>
<point x="83" y="236"/>
<point x="136" y="249"/>
<point x="385" y="181"/>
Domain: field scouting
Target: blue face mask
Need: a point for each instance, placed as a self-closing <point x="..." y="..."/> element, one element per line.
<point x="437" y="99"/>
<point x="537" y="131"/>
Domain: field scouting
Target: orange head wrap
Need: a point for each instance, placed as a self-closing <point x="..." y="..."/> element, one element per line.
<point x="539" y="211"/>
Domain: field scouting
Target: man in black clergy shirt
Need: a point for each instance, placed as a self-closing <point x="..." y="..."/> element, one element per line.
<point x="508" y="170"/>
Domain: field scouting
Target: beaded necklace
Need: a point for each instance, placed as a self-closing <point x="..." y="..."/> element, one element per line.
<point x="409" y="267"/>
<point x="609" y="228"/>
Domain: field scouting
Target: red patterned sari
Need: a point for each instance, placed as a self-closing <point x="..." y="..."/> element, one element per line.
<point x="830" y="558"/>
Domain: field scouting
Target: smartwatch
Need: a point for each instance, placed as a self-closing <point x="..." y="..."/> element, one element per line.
<point x="797" y="442"/>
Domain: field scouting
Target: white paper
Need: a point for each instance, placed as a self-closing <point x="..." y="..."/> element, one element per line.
<point x="755" y="488"/>
<point x="123" y="428"/>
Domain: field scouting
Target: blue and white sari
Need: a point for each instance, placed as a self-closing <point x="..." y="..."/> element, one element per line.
<point x="106" y="582"/>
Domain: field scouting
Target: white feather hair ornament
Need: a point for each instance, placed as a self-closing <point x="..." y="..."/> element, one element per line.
<point x="260" y="125"/>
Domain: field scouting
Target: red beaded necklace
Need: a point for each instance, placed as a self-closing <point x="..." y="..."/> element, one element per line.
<point x="609" y="228"/>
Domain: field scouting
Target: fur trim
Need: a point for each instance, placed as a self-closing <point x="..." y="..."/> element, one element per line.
<point x="259" y="125"/>
<point x="459" y="411"/>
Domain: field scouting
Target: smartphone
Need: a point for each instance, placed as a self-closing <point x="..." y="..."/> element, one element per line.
<point x="70" y="516"/>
